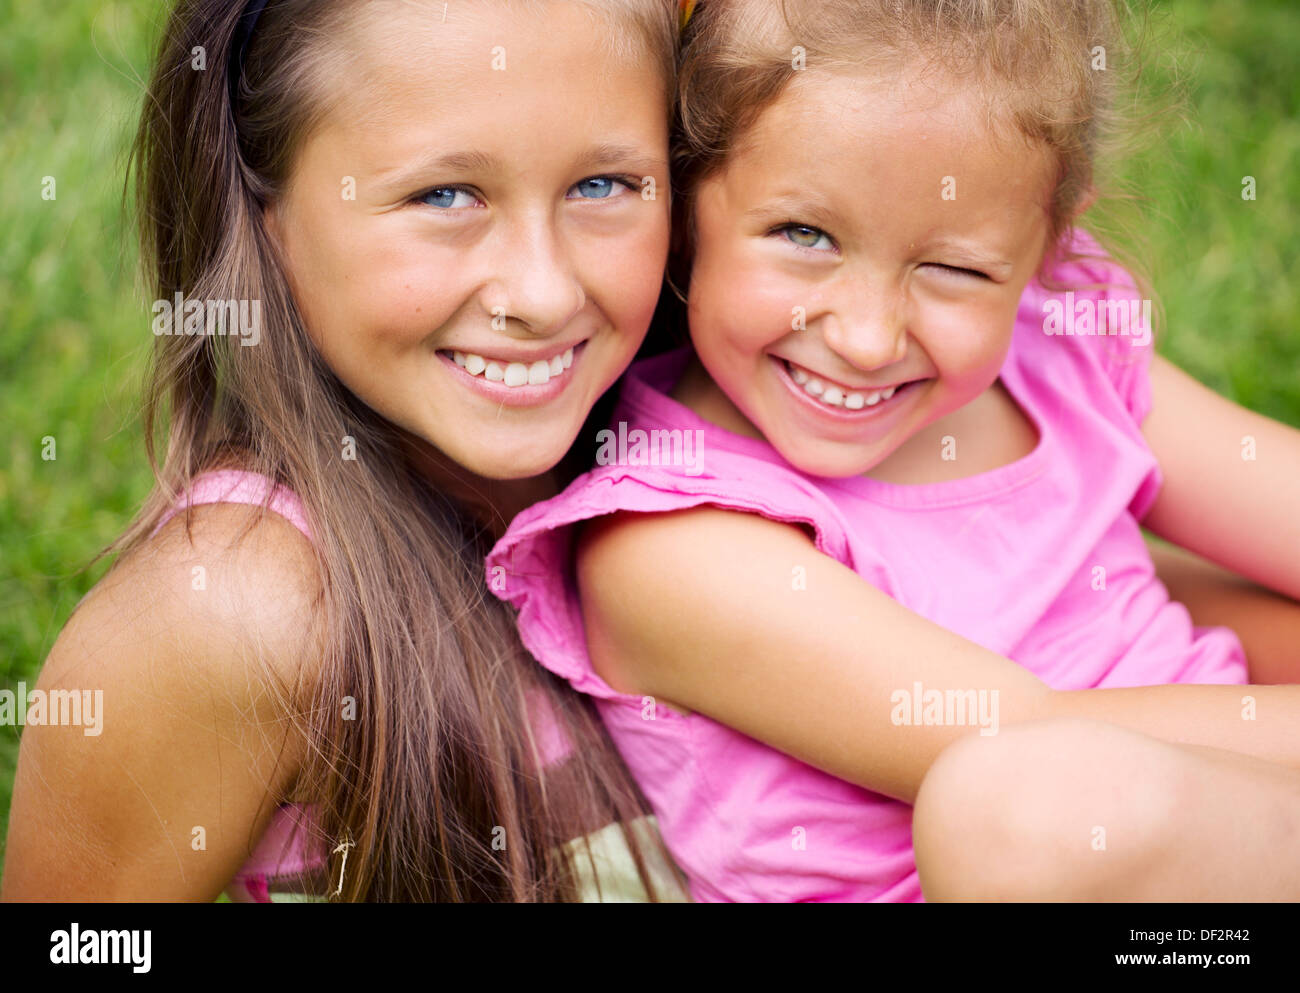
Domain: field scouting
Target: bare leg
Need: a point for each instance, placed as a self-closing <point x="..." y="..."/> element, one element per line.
<point x="1267" y="622"/>
<point x="1080" y="810"/>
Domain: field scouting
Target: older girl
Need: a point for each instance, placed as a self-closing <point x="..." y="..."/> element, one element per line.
<point x="447" y="225"/>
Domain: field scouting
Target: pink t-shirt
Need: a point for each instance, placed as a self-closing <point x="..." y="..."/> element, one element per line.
<point x="1009" y="559"/>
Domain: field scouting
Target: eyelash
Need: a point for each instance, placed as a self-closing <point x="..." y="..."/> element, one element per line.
<point x="631" y="183"/>
<point x="445" y="188"/>
<point x="797" y="226"/>
<point x="959" y="270"/>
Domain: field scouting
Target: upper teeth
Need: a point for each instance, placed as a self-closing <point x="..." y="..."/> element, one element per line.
<point x="833" y="395"/>
<point x="538" y="373"/>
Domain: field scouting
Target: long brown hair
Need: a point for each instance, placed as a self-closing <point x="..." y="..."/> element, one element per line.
<point x="440" y="763"/>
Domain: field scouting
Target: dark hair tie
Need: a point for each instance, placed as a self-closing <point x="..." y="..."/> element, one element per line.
<point x="239" y="46"/>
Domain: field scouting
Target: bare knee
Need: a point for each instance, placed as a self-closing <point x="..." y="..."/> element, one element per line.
<point x="1051" y="810"/>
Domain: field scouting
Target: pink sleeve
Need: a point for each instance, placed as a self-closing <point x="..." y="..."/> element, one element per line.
<point x="1119" y="357"/>
<point x="1109" y="290"/>
<point x="531" y="566"/>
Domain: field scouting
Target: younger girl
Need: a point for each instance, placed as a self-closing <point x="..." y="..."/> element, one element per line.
<point x="911" y="514"/>
<point x="441" y="224"/>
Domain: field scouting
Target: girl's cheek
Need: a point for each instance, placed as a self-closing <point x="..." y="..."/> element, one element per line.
<point x="620" y="273"/>
<point x="967" y="345"/>
<point x="641" y="273"/>
<point x="403" y="304"/>
<point x="759" y="305"/>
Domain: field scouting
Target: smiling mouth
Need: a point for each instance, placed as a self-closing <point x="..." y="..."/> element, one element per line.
<point x="514" y="374"/>
<point x="838" y="396"/>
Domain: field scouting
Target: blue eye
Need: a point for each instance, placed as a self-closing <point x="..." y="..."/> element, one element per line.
<point x="597" y="187"/>
<point x="445" y="197"/>
<point x="807" y="237"/>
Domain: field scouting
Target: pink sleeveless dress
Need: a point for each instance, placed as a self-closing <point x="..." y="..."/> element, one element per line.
<point x="278" y="868"/>
<point x="282" y="869"/>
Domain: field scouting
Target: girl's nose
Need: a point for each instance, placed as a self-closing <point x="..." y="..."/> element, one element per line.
<point x="867" y="331"/>
<point x="538" y="285"/>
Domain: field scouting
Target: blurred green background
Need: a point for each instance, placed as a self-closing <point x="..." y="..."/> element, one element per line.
<point x="75" y="329"/>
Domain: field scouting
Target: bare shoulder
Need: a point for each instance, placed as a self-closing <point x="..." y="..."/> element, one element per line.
<point x="650" y="582"/>
<point x="632" y="548"/>
<point x="197" y="652"/>
<point x="229" y="586"/>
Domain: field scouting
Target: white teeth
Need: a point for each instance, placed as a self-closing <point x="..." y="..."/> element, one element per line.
<point x="537" y="373"/>
<point x="833" y="395"/>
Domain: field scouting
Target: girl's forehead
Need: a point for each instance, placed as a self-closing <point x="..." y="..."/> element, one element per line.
<point x="385" y="40"/>
<point x="920" y="114"/>
<point x="401" y="60"/>
<point x="485" y="95"/>
<point x="846" y="151"/>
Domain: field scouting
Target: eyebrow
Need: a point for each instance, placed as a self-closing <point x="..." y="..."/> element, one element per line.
<point x="601" y="155"/>
<point x="613" y="153"/>
<point x="797" y="206"/>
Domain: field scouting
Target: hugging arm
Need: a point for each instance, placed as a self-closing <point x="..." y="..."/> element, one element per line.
<point x="695" y="608"/>
<point x="1231" y="494"/>
<point x="1231" y="489"/>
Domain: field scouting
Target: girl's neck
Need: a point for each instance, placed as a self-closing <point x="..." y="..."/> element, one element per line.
<point x="492" y="502"/>
<point x="697" y="391"/>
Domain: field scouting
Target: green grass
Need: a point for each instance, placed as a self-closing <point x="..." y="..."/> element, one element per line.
<point x="73" y="335"/>
<point x="75" y="332"/>
<point x="1225" y="267"/>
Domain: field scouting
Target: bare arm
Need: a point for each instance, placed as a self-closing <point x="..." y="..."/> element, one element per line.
<point x="1231" y="487"/>
<point x="190" y="735"/>
<point x="696" y="609"/>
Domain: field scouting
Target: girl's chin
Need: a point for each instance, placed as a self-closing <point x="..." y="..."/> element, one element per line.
<point x="535" y="457"/>
<point x="838" y="463"/>
<point x="834" y="469"/>
<point x="517" y="467"/>
<point x="501" y="459"/>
